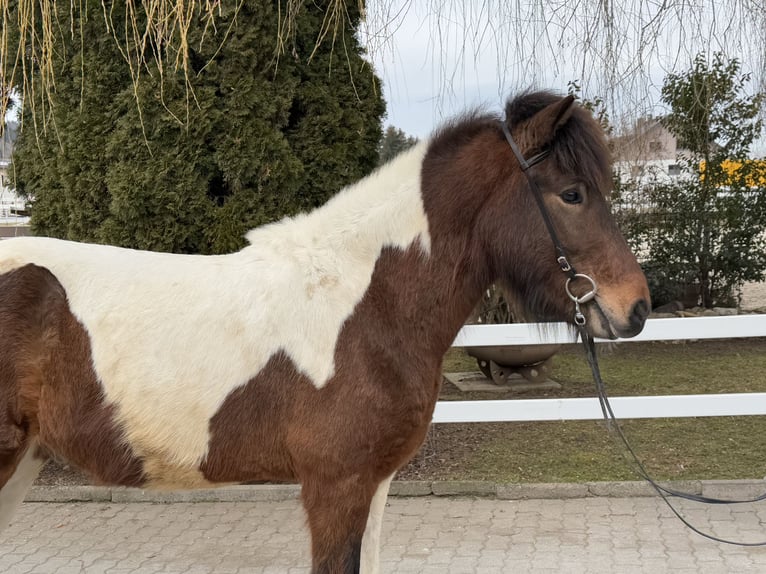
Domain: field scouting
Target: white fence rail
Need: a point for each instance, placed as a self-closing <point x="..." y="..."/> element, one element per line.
<point x="674" y="406"/>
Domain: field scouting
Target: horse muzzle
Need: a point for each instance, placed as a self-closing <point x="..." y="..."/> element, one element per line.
<point x="609" y="323"/>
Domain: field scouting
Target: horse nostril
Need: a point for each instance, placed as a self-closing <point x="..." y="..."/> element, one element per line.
<point x="639" y="313"/>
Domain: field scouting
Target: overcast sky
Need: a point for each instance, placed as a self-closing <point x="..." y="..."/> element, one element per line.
<point x="437" y="59"/>
<point x="423" y="79"/>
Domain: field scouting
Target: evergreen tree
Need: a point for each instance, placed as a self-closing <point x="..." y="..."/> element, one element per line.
<point x="255" y="137"/>
<point x="394" y="142"/>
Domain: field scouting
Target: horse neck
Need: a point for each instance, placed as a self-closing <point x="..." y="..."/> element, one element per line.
<point x="426" y="295"/>
<point x="422" y="300"/>
<point x="380" y="261"/>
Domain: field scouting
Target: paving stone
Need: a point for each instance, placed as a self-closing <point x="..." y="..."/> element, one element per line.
<point x="423" y="534"/>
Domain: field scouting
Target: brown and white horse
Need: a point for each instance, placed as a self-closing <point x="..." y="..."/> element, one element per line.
<point x="314" y="353"/>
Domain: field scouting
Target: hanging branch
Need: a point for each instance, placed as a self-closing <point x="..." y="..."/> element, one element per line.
<point x="611" y="46"/>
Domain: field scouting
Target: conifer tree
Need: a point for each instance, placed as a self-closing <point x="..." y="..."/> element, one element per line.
<point x="190" y="163"/>
<point x="394" y="142"/>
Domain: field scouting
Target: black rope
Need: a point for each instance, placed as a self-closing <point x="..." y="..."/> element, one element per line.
<point x="664" y="492"/>
<point x="561" y="256"/>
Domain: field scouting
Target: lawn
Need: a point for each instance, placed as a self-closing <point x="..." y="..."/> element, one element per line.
<point x="574" y="451"/>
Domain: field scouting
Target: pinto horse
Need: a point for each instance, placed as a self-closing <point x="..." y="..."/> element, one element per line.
<point x="314" y="353"/>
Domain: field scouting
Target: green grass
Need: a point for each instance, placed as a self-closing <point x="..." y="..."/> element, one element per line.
<point x="575" y="451"/>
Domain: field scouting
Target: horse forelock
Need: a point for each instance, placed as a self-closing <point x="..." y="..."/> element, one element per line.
<point x="578" y="146"/>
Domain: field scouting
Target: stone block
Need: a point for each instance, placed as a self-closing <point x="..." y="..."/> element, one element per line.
<point x="463" y="488"/>
<point x="410" y="488"/>
<point x="541" y="491"/>
<point x="733" y="489"/>
<point x="69" y="494"/>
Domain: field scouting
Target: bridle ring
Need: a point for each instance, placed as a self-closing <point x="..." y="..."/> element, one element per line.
<point x="584" y="298"/>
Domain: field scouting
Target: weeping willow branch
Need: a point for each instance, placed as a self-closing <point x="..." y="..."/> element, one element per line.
<point x="152" y="37"/>
<point x="155" y="36"/>
<point x="611" y="46"/>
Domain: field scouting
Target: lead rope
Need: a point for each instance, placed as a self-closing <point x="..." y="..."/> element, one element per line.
<point x="664" y="492"/>
<point x="612" y="424"/>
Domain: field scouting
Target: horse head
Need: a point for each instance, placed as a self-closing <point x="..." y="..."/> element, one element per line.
<point x="574" y="179"/>
<point x="572" y="173"/>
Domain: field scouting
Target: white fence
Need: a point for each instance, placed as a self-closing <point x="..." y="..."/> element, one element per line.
<point x="675" y="406"/>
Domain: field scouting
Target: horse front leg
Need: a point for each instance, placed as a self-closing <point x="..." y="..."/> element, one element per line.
<point x="337" y="516"/>
<point x="371" y="542"/>
<point x="18" y="470"/>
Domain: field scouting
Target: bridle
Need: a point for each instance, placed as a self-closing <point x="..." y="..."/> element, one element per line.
<point x="590" y="349"/>
<point x="561" y="256"/>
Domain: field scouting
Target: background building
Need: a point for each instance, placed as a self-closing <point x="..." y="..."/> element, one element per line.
<point x="13" y="217"/>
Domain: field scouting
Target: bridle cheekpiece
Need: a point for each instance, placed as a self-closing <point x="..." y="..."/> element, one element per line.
<point x="561" y="257"/>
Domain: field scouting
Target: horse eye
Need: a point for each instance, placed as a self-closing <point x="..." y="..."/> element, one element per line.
<point x="571" y="196"/>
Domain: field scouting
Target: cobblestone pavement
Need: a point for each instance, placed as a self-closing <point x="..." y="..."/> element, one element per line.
<point x="426" y="535"/>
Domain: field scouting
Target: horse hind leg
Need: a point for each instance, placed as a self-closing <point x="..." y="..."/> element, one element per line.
<point x="18" y="470"/>
<point x="21" y="459"/>
<point x="28" y="299"/>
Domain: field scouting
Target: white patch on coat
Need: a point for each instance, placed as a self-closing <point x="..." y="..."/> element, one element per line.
<point x="173" y="335"/>
<point x="370" y="562"/>
<point x="13" y="492"/>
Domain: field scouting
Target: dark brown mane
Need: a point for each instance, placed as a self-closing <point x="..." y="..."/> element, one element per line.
<point x="460" y="130"/>
<point x="579" y="145"/>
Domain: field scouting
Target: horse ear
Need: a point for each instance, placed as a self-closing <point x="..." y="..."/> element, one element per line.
<point x="543" y="126"/>
<point x="562" y="112"/>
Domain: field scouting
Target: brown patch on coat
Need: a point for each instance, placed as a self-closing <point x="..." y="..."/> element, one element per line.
<point x="24" y="304"/>
<point x="48" y="388"/>
<point x="371" y="416"/>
